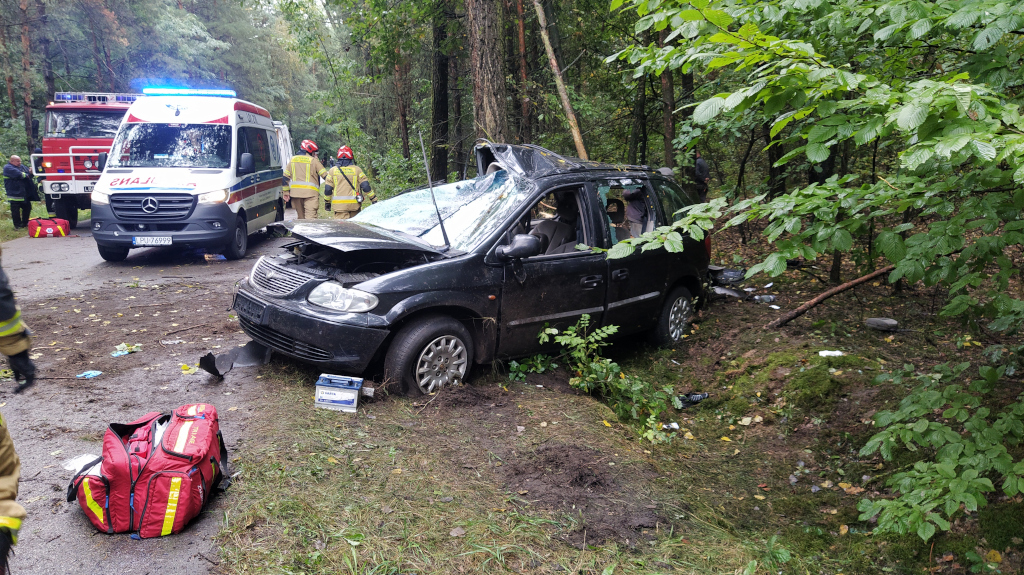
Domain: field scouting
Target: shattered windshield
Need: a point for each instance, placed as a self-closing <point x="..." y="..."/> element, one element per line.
<point x="171" y="146"/>
<point x="472" y="210"/>
<point x="83" y="124"/>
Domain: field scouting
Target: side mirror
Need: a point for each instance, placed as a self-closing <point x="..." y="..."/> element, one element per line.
<point x="246" y="164"/>
<point x="102" y="161"/>
<point x="522" y="246"/>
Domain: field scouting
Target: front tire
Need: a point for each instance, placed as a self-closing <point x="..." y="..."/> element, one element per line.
<point x="113" y="254"/>
<point x="67" y="209"/>
<point x="237" y="247"/>
<point x="428" y="354"/>
<point x="675" y="318"/>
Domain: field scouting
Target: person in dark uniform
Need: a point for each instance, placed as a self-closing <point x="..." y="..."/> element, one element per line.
<point x="20" y="188"/>
<point x="702" y="175"/>
<point x="15" y="342"/>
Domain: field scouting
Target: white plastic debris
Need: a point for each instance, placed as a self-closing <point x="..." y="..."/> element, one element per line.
<point x="774" y="307"/>
<point x="77" y="463"/>
<point x="830" y="353"/>
<point x="770" y="284"/>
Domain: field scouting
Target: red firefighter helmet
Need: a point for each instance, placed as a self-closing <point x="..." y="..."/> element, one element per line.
<point x="309" y="146"/>
<point x="345" y="153"/>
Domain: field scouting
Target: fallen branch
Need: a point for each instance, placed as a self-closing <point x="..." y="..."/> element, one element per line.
<point x="783" y="320"/>
<point x="186" y="328"/>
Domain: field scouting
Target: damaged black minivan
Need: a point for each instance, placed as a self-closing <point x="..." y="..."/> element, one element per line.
<point x="392" y="288"/>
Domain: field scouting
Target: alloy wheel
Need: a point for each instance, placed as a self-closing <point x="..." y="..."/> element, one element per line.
<point x="679" y="317"/>
<point x="442" y="362"/>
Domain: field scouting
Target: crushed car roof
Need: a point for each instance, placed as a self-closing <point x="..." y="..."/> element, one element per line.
<point x="536" y="162"/>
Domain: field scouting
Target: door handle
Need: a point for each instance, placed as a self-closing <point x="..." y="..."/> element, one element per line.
<point x="620" y="274"/>
<point x="591" y="282"/>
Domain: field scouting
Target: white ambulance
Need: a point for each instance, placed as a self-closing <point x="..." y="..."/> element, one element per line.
<point x="189" y="168"/>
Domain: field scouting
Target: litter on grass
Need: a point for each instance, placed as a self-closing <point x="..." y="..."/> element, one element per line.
<point x="882" y="323"/>
<point x="89" y="374"/>
<point x="77" y="463"/>
<point x="692" y="399"/>
<point x="830" y="353"/>
<point x="250" y="355"/>
<point x="171" y="341"/>
<point x="774" y="307"/>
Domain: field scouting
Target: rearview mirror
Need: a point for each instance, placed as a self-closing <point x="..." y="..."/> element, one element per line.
<point x="101" y="161"/>
<point x="522" y="246"/>
<point x="246" y="164"/>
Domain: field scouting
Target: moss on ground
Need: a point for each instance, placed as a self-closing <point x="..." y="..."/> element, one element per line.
<point x="1002" y="525"/>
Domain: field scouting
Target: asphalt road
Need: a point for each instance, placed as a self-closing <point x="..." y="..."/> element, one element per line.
<point x="79" y="307"/>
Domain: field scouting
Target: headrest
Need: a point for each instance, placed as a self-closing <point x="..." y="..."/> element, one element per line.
<point x="616" y="210"/>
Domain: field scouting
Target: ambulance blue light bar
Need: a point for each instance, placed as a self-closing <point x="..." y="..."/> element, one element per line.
<point x="94" y="97"/>
<point x="188" y="92"/>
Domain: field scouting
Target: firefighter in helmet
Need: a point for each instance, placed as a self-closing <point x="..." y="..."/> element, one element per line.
<point x="348" y="185"/>
<point x="302" y="181"/>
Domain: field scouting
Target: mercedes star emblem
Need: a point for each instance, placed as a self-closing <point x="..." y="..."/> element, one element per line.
<point x="150" y="205"/>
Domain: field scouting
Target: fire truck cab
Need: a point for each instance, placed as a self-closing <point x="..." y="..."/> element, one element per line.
<point x="78" y="127"/>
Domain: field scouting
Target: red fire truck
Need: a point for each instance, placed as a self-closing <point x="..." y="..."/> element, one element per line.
<point x="79" y="125"/>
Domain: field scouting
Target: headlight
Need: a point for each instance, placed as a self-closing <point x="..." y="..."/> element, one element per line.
<point x="87" y="164"/>
<point x="332" y="295"/>
<point x="47" y="164"/>
<point x="218" y="197"/>
<point x="100" y="197"/>
<point x="64" y="187"/>
<point x="55" y="187"/>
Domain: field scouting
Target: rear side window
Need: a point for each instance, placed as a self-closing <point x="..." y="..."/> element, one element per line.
<point x="275" y="152"/>
<point x="672" y="197"/>
<point x="254" y="141"/>
<point x="628" y="208"/>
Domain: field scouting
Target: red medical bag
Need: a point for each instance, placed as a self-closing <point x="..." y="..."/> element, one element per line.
<point x="48" y="228"/>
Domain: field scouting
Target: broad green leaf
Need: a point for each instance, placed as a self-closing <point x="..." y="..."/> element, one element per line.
<point x="691" y="16"/>
<point x="708" y="109"/>
<point x="817" y="152"/>
<point x="911" y="116"/>
<point x="984" y="149"/>
<point x="718" y="18"/>
<point x="885" y="33"/>
<point x="842" y="240"/>
<point x="920" y="28"/>
<point x="926" y="530"/>
<point x="620" y="250"/>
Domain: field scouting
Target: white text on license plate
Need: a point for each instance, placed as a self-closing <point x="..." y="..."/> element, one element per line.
<point x="151" y="241"/>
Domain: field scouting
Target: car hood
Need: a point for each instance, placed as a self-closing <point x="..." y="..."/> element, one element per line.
<point x="351" y="236"/>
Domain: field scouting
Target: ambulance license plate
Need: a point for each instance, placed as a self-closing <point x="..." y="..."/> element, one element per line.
<point x="151" y="240"/>
<point x="250" y="309"/>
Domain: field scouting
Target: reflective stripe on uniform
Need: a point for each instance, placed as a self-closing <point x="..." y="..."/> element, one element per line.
<point x="90" y="501"/>
<point x="12" y="326"/>
<point x="172" y="506"/>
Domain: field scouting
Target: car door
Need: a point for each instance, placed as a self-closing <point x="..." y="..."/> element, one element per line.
<point x="554" y="288"/>
<point x="637" y="283"/>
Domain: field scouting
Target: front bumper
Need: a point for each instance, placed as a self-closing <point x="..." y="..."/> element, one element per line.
<point x="208" y="226"/>
<point x="291" y="328"/>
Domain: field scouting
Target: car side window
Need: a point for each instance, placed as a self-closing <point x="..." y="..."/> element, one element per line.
<point x="672" y="197"/>
<point x="558" y="220"/>
<point x="256" y="142"/>
<point x="629" y="208"/>
<point x="275" y="152"/>
<point x="240" y="145"/>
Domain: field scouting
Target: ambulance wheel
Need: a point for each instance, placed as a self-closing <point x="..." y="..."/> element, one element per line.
<point x="67" y="209"/>
<point x="236" y="247"/>
<point x="113" y="254"/>
<point x="430" y="353"/>
<point x="279" y="217"/>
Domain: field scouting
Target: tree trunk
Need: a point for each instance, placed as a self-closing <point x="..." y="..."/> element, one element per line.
<point x="457" y="135"/>
<point x="26" y="74"/>
<point x="44" y="49"/>
<point x="639" y="119"/>
<point x="7" y="72"/>
<point x="401" y="73"/>
<point x="96" y="55"/>
<point x="524" y="96"/>
<point x="439" y="100"/>
<point x="776" y="174"/>
<point x="570" y="115"/>
<point x="486" y="61"/>
<point x="553" y="36"/>
<point x="668" y="103"/>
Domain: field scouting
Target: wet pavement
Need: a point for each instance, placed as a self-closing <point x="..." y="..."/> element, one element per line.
<point x="78" y="307"/>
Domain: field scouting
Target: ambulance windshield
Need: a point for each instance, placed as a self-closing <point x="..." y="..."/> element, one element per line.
<point x="171" y="146"/>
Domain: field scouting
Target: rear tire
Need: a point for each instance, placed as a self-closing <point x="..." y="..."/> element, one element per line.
<point x="67" y="209"/>
<point x="237" y="247"/>
<point x="113" y="254"/>
<point x="430" y="353"/>
<point x="675" y="318"/>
